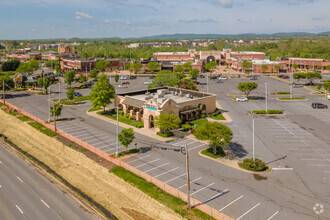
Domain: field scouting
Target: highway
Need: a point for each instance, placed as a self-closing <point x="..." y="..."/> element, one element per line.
<point x="25" y="193"/>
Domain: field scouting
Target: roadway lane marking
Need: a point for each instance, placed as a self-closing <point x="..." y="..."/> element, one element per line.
<point x="281" y="168"/>
<point x="231" y="203"/>
<point x="44" y="203"/>
<point x="196" y="147"/>
<point x="138" y="159"/>
<point x="175" y="178"/>
<point x="19" y="209"/>
<point x="0" y="161"/>
<point x="190" y="182"/>
<point x="202" y="189"/>
<point x="248" y="211"/>
<point x="155" y="167"/>
<point x="147" y="163"/>
<point x="272" y="215"/>
<point x="176" y="144"/>
<point x="0" y="186"/>
<point x="19" y="179"/>
<point x="166" y="172"/>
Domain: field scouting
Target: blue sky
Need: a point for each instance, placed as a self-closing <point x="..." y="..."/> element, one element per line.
<point x="40" y="19"/>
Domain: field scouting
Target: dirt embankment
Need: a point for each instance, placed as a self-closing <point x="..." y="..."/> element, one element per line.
<point x="120" y="198"/>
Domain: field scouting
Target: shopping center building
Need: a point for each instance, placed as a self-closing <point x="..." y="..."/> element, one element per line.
<point x="145" y="105"/>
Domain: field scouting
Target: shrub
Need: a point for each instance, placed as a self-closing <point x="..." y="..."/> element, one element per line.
<point x="283" y="92"/>
<point x="186" y="127"/>
<point x="274" y="111"/>
<point x="203" y="116"/>
<point x="165" y="134"/>
<point x="121" y="112"/>
<point x="259" y="111"/>
<point x="319" y="86"/>
<point x="254" y="165"/>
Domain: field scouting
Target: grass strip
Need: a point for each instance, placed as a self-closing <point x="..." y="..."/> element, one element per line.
<point x="24" y="118"/>
<point x="165" y="135"/>
<point x="128" y="152"/>
<point x="209" y="152"/>
<point x="158" y="194"/>
<point x="95" y="108"/>
<point x="198" y="122"/>
<point x="218" y="117"/>
<point x="296" y="98"/>
<point x="121" y="118"/>
<point x="43" y="129"/>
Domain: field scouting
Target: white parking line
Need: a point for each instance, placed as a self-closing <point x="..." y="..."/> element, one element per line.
<point x="318" y="165"/>
<point x="138" y="159"/>
<point x="176" y="144"/>
<point x="147" y="163"/>
<point x="166" y="172"/>
<point x="175" y="178"/>
<point x="44" y="203"/>
<point x="197" y="146"/>
<point x="155" y="168"/>
<point x="281" y="168"/>
<point x="248" y="211"/>
<point x="19" y="179"/>
<point x="231" y="203"/>
<point x="0" y="162"/>
<point x="19" y="209"/>
<point x="201" y="189"/>
<point x="272" y="215"/>
<point x="190" y="182"/>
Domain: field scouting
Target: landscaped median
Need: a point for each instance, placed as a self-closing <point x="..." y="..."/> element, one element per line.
<point x="269" y="111"/>
<point x="292" y="99"/>
<point x="74" y="101"/>
<point x="124" y="118"/>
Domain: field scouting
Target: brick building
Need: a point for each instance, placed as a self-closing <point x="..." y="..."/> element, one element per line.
<point x="65" y="48"/>
<point x="79" y="65"/>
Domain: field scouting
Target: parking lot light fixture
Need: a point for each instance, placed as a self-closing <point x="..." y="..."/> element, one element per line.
<point x="117" y="147"/>
<point x="266" y="96"/>
<point x="253" y="152"/>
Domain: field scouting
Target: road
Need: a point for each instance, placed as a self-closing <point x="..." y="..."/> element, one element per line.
<point x="290" y="191"/>
<point x="25" y="193"/>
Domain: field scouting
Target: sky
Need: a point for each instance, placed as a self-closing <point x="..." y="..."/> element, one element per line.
<point x="43" y="19"/>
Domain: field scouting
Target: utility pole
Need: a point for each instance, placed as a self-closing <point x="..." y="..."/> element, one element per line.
<point x="188" y="176"/>
<point x="3" y="92"/>
<point x="49" y="103"/>
<point x="266" y="96"/>
<point x="117" y="147"/>
<point x="59" y="89"/>
<point x="54" y="111"/>
<point x="253" y="136"/>
<point x="207" y="83"/>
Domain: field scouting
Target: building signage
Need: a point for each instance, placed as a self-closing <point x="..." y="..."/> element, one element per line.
<point x="151" y="107"/>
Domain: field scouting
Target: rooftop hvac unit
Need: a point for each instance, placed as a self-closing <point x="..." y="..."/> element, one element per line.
<point x="175" y="93"/>
<point x="181" y="94"/>
<point x="148" y="97"/>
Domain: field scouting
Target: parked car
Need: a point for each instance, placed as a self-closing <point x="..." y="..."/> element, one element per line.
<point x="77" y="94"/>
<point x="285" y="77"/>
<point x="219" y="81"/>
<point x="196" y="82"/>
<point x="241" y="99"/>
<point x="7" y="96"/>
<point x="213" y="77"/>
<point x="132" y="77"/>
<point x="222" y="78"/>
<point x="122" y="86"/>
<point x="328" y="96"/>
<point x="125" y="83"/>
<point x="123" y="78"/>
<point x="201" y="76"/>
<point x="152" y="77"/>
<point x="318" y="105"/>
<point x="253" y="78"/>
<point x="280" y="76"/>
<point x="310" y="84"/>
<point x="147" y="83"/>
<point x="295" y="85"/>
<point x="89" y="84"/>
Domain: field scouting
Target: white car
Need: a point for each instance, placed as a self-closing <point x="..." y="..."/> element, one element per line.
<point x="122" y="86"/>
<point x="328" y="96"/>
<point x="222" y="78"/>
<point x="241" y="99"/>
<point x="147" y="83"/>
<point x="123" y="78"/>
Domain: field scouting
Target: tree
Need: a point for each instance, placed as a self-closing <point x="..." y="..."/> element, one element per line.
<point x="82" y="79"/>
<point x="299" y="76"/>
<point x="218" y="134"/>
<point x="246" y="65"/>
<point x="152" y="66"/>
<point x="295" y="66"/>
<point x="211" y="66"/>
<point x="116" y="77"/>
<point x="102" y="65"/>
<point x="69" y="77"/>
<point x="70" y="94"/>
<point x="247" y="87"/>
<point x="165" y="78"/>
<point x="10" y="65"/>
<point x="278" y="67"/>
<point x="194" y="73"/>
<point x="327" y="67"/>
<point x="179" y="69"/>
<point x="326" y="86"/>
<point x="33" y="64"/>
<point x="167" y="122"/>
<point x="58" y="110"/>
<point x="9" y="83"/>
<point x="313" y="75"/>
<point x="187" y="66"/>
<point x="128" y="66"/>
<point x="102" y="92"/>
<point x="187" y="84"/>
<point x="264" y="67"/>
<point x="43" y="82"/>
<point x="94" y="73"/>
<point x="126" y="136"/>
<point x="137" y="66"/>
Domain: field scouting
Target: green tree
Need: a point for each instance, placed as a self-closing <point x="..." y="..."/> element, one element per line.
<point x="10" y="65"/>
<point x="126" y="136"/>
<point x="102" y="92"/>
<point x="218" y="134"/>
<point x="43" y="82"/>
<point x="246" y="65"/>
<point x="299" y="76"/>
<point x="194" y="73"/>
<point x="9" y="83"/>
<point x="152" y="66"/>
<point x="82" y="79"/>
<point x="326" y="86"/>
<point x="69" y="77"/>
<point x="102" y="65"/>
<point x="264" y="68"/>
<point x="24" y="68"/>
<point x="247" y="87"/>
<point x="179" y="69"/>
<point x="128" y="66"/>
<point x="116" y="78"/>
<point x="211" y="66"/>
<point x="58" y="110"/>
<point x="327" y="67"/>
<point x="137" y="66"/>
<point x="187" y="66"/>
<point x="278" y="67"/>
<point x="94" y="73"/>
<point x="70" y="94"/>
<point x="167" y="122"/>
<point x="311" y="76"/>
<point x="295" y="66"/>
<point x="187" y="84"/>
<point x="165" y="78"/>
<point x="33" y="64"/>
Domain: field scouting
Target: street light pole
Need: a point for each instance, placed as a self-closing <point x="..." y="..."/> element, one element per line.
<point x="291" y="78"/>
<point x="253" y="136"/>
<point x="49" y="104"/>
<point x="59" y="89"/>
<point x="207" y="83"/>
<point x="3" y="91"/>
<point x="117" y="147"/>
<point x="188" y="176"/>
<point x="266" y="96"/>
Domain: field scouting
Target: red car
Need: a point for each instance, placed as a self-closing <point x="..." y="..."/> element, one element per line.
<point x="126" y="83"/>
<point x="285" y="77"/>
<point x="196" y="82"/>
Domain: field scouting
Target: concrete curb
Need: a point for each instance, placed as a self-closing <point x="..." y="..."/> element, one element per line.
<point x="146" y="132"/>
<point x="225" y="114"/>
<point x="293" y="100"/>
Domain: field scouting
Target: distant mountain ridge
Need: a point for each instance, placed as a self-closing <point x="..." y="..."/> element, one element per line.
<point x="245" y="35"/>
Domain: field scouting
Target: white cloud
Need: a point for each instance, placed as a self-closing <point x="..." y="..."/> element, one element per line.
<point x="82" y="15"/>
<point x="106" y="21"/>
<point x="226" y="3"/>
